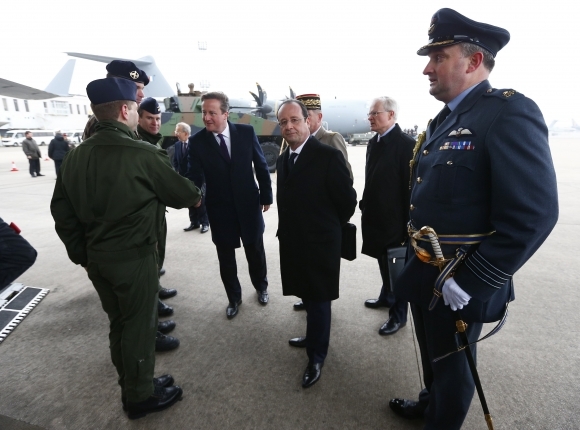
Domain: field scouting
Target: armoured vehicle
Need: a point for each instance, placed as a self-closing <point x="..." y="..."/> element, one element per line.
<point x="186" y="107"/>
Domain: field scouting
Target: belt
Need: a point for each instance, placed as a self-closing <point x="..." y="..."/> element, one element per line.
<point x="446" y="264"/>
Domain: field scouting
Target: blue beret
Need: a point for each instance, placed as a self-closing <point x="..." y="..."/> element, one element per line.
<point x="127" y="70"/>
<point x="150" y="105"/>
<point x="449" y="27"/>
<point x="111" y="89"/>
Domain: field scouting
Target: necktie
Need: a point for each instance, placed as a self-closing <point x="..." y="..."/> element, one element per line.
<point x="291" y="161"/>
<point x="224" y="147"/>
<point x="184" y="149"/>
<point x="442" y="115"/>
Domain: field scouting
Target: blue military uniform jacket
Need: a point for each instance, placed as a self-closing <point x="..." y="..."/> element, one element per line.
<point x="486" y="168"/>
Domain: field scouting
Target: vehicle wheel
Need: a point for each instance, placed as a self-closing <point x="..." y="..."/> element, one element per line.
<point x="41" y="143"/>
<point x="271" y="152"/>
<point x="15" y="144"/>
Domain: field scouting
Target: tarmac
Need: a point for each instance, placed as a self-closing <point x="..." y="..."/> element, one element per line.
<point x="56" y="372"/>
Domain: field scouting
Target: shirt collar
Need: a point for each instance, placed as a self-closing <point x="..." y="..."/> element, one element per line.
<point x="225" y="133"/>
<point x="455" y="102"/>
<point x="387" y="132"/>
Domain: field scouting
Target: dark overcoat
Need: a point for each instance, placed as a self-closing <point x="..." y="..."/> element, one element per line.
<point x="233" y="198"/>
<point x="487" y="168"/>
<point x="314" y="201"/>
<point x="385" y="203"/>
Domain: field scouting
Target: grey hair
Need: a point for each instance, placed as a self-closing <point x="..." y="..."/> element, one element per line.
<point x="389" y="104"/>
<point x="183" y="126"/>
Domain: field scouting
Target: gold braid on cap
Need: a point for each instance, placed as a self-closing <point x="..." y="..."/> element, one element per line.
<point x="311" y="103"/>
<point x="420" y="140"/>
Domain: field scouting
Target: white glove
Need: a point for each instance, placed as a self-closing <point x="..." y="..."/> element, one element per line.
<point x="453" y="295"/>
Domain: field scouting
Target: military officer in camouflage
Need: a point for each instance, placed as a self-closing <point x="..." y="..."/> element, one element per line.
<point x="483" y="182"/>
<point x="109" y="220"/>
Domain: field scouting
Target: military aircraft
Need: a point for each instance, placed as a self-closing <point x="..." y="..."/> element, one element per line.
<point x="561" y="128"/>
<point x="58" y="87"/>
<point x="345" y="116"/>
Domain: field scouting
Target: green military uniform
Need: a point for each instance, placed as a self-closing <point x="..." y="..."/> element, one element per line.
<point x="153" y="139"/>
<point x="109" y="207"/>
<point x="156" y="139"/>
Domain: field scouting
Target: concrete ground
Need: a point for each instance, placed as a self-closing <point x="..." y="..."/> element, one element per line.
<point x="56" y="372"/>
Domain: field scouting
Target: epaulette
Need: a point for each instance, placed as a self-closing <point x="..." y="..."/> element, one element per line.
<point x="505" y="93"/>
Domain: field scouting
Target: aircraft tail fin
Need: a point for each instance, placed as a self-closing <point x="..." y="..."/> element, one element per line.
<point x="60" y="84"/>
<point x="158" y="85"/>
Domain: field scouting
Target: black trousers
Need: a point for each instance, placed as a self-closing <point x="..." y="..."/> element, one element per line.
<point x="318" y="315"/>
<point x="34" y="166"/>
<point x="16" y="255"/>
<point x="198" y="215"/>
<point x="229" y="270"/>
<point x="398" y="308"/>
<point x="57" y="164"/>
<point x="449" y="386"/>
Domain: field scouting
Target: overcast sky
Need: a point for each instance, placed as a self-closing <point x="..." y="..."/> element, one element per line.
<point x="357" y="49"/>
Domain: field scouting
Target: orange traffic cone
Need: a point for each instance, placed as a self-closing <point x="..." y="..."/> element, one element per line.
<point x="14" y="168"/>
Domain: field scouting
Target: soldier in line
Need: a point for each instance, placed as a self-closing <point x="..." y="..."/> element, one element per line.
<point x="109" y="220"/>
<point x="127" y="70"/>
<point x="484" y="182"/>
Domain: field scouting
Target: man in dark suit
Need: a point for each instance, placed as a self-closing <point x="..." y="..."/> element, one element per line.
<point x="385" y="202"/>
<point x="197" y="216"/>
<point x="315" y="200"/>
<point x="222" y="155"/>
<point x="483" y="181"/>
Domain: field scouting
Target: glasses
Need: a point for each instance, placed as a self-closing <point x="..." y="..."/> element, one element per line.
<point x="376" y="112"/>
<point x="293" y="121"/>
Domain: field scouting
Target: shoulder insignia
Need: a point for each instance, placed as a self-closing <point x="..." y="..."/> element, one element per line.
<point x="508" y="93"/>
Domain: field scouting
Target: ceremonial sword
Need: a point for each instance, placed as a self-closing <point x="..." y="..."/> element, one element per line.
<point x="461" y="329"/>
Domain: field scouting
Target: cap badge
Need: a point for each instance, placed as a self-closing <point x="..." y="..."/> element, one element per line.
<point x="134" y="74"/>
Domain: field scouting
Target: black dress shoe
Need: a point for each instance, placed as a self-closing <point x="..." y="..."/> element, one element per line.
<point x="165" y="326"/>
<point x="375" y="303"/>
<point x="407" y="408"/>
<point x="165" y="343"/>
<point x="162" y="272"/>
<point x="204" y="229"/>
<point x="391" y="326"/>
<point x="163" y="310"/>
<point x="299" y="306"/>
<point x="191" y="227"/>
<point x="298" y="342"/>
<point x="232" y="309"/>
<point x="311" y="374"/>
<point x="166" y="293"/>
<point x="163" y="381"/>
<point x="162" y="398"/>
<point x="39" y="174"/>
<point x="263" y="297"/>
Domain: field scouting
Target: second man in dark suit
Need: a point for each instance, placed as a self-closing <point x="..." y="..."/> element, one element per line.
<point x="225" y="156"/>
<point x="315" y="200"/>
<point x="197" y="216"/>
<point x="385" y="202"/>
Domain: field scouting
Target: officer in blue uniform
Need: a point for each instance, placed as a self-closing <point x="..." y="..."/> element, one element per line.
<point x="483" y="180"/>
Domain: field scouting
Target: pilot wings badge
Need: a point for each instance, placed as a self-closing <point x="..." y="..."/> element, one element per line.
<point x="460" y="132"/>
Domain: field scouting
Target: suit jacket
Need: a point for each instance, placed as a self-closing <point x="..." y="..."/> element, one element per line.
<point x="233" y="198"/>
<point x="335" y="140"/>
<point x="180" y="159"/>
<point x="314" y="201"/>
<point x="486" y="168"/>
<point x="385" y="202"/>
